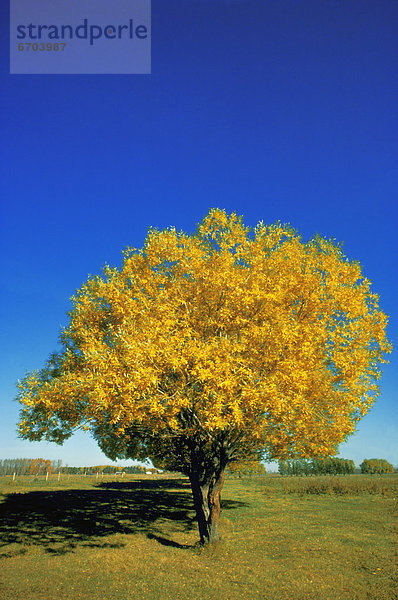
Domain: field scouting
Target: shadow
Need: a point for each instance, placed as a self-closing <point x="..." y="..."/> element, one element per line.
<point x="150" y="484"/>
<point x="61" y="520"/>
<point x="166" y="542"/>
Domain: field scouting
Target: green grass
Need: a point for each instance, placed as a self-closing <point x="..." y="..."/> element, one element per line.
<point x="282" y="539"/>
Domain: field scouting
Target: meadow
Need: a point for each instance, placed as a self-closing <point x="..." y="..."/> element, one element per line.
<point x="283" y="538"/>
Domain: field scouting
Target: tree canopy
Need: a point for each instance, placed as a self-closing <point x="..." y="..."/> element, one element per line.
<point x="216" y="346"/>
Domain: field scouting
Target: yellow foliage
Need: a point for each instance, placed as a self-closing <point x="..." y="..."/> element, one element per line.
<point x="252" y="335"/>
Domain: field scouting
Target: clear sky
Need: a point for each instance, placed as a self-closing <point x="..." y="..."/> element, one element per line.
<point x="273" y="109"/>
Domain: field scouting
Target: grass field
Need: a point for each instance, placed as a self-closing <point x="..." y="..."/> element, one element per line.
<point x="282" y="539"/>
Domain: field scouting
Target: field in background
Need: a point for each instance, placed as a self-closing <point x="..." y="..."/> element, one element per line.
<point x="323" y="538"/>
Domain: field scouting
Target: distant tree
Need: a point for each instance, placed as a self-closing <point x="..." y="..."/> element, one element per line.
<point x="349" y="466"/>
<point x="33" y="467"/>
<point x="317" y="466"/>
<point x="283" y="467"/>
<point x="214" y="347"/>
<point x="70" y="470"/>
<point x="56" y="466"/>
<point x="376" y="465"/>
<point x="39" y="466"/>
<point x="366" y="466"/>
<point x="135" y="470"/>
<point x="332" y="466"/>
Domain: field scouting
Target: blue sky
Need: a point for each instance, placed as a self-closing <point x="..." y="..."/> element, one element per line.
<point x="272" y="109"/>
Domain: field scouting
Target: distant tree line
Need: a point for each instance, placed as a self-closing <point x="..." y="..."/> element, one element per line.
<point x="41" y="466"/>
<point x="29" y="466"/>
<point x="317" y="466"/>
<point x="376" y="465"/>
<point x="107" y="470"/>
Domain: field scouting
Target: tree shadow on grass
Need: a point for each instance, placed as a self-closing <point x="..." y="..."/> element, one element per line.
<point x="60" y="520"/>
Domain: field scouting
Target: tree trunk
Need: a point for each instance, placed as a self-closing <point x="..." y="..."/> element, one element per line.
<point x="206" y="492"/>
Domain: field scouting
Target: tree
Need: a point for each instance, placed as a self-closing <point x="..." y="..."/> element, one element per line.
<point x="245" y="468"/>
<point x="283" y="467"/>
<point x="376" y="465"/>
<point x="208" y="348"/>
